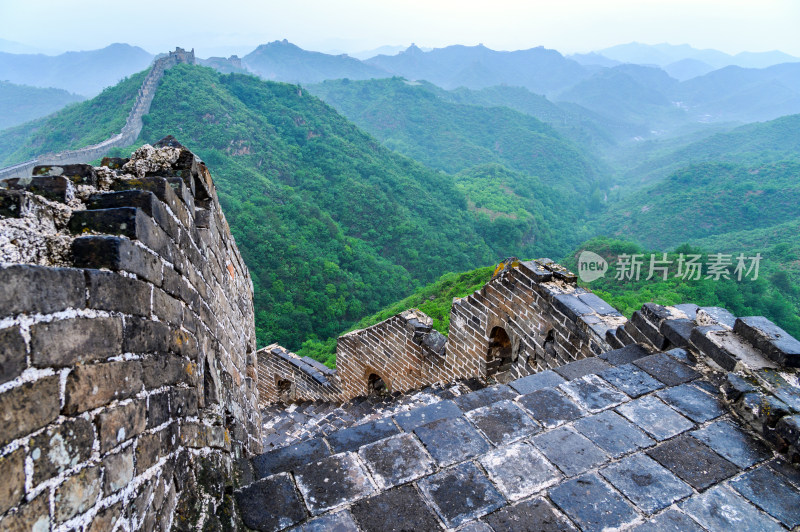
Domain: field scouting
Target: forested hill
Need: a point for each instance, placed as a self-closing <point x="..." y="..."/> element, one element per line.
<point x="411" y="118"/>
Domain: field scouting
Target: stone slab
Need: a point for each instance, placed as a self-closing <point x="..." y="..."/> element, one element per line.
<point x="732" y="443"/>
<point x="772" y="493"/>
<point x="579" y="368"/>
<point x="624" y="355"/>
<point x="537" y="381"/>
<point x="655" y="418"/>
<point x="451" y="440"/>
<point x="721" y="508"/>
<point x="569" y="450"/>
<point x="270" y="503"/>
<point x="461" y="494"/>
<point x="397" y="509"/>
<point x="692" y="402"/>
<point x="334" y="522"/>
<point x="290" y="457"/>
<point x="592" y="504"/>
<point x="693" y="461"/>
<point x="396" y="460"/>
<point x="331" y="482"/>
<point x="642" y="480"/>
<point x="486" y="396"/>
<point x="519" y="470"/>
<point x="550" y="407"/>
<point x="412" y="419"/>
<point x="352" y="438"/>
<point x="592" y="393"/>
<point x="503" y="422"/>
<point x="670" y="521"/>
<point x="667" y="369"/>
<point x="534" y="514"/>
<point x="613" y="433"/>
<point x="631" y="379"/>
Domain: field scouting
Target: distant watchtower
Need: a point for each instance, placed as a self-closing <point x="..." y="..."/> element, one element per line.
<point x="182" y="56"/>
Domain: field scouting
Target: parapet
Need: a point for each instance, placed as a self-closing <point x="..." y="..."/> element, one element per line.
<point x="127" y="340"/>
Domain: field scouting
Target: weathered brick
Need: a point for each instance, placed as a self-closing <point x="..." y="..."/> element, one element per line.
<point x="80" y="174"/>
<point x="13" y="354"/>
<point x="26" y="288"/>
<point x="117" y="254"/>
<point x="120" y="423"/>
<point x="118" y="470"/>
<point x="56" y="188"/>
<point x="773" y="341"/>
<point x="142" y="335"/>
<point x="34" y="515"/>
<point x="167" y="308"/>
<point x="158" y="411"/>
<point x="77" y="494"/>
<point x="67" y="342"/>
<point x="183" y="402"/>
<point x="27" y="408"/>
<point x="166" y="370"/>
<point x="111" y="291"/>
<point x="91" y="386"/>
<point x="61" y="447"/>
<point x="12" y="471"/>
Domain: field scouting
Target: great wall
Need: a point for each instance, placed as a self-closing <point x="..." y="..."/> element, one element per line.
<point x="133" y="396"/>
<point x="130" y="131"/>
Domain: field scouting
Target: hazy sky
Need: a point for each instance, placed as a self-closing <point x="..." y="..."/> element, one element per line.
<point x="223" y="27"/>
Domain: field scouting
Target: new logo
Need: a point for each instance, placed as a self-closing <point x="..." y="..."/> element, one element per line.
<point x="591" y="266"/>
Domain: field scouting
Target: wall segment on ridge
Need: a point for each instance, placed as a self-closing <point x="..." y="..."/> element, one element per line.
<point x="127" y="341"/>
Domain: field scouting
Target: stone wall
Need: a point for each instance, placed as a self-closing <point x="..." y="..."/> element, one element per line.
<point x="529" y="317"/>
<point x="126" y="137"/>
<point x="127" y="348"/>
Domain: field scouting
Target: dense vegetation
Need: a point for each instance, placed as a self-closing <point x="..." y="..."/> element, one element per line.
<point x="78" y="125"/>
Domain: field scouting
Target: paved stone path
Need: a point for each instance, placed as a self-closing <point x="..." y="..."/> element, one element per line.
<point x="627" y="441"/>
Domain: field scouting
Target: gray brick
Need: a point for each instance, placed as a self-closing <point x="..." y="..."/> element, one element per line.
<point x="670" y="521"/>
<point x="519" y="470"/>
<point x="352" y="438"/>
<point x="486" y="396"/>
<point x="550" y="407"/>
<point x="624" y="355"/>
<point x="461" y="494"/>
<point x="693" y="462"/>
<point x="117" y="254"/>
<point x="646" y="483"/>
<point x="534" y="514"/>
<point x="13" y="354"/>
<point x="270" y="503"/>
<point x="612" y="433"/>
<point x="290" y="457"/>
<point x="398" y="509"/>
<point x="503" y="422"/>
<point x="592" y="504"/>
<point x="570" y="451"/>
<point x="655" y="418"/>
<point x="331" y="482"/>
<point x="772" y="493"/>
<point x="773" y="341"/>
<point x="70" y="341"/>
<point x="335" y="522"/>
<point x="630" y="379"/>
<point x="396" y="460"/>
<point x="666" y="369"/>
<point x="12" y="471"/>
<point x="733" y="443"/>
<point x="77" y="494"/>
<point x="61" y="447"/>
<point x="118" y="470"/>
<point x="720" y="508"/>
<point x="412" y="419"/>
<point x="592" y="393"/>
<point x="537" y="381"/>
<point x="113" y="292"/>
<point x="120" y="423"/>
<point x="582" y="367"/>
<point x="33" y="289"/>
<point x="451" y="440"/>
<point x="692" y="402"/>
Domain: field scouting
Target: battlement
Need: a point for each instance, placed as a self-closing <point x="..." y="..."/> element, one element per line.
<point x="127" y="340"/>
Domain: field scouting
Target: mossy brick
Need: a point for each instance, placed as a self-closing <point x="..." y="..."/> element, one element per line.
<point x="29" y="407"/>
<point x="773" y="341"/>
<point x="117" y="254"/>
<point x="120" y="380"/>
<point x="80" y="174"/>
<point x="56" y="188"/>
<point x="77" y="494"/>
<point x="12" y="471"/>
<point x="13" y="353"/>
<point x="73" y="340"/>
<point x="32" y="289"/>
<point x="120" y="423"/>
<point x="34" y="515"/>
<point x="142" y="335"/>
<point x="117" y="470"/>
<point x="113" y="292"/>
<point x="61" y="447"/>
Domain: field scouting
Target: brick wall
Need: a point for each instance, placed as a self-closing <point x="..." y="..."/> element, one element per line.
<point x="127" y="348"/>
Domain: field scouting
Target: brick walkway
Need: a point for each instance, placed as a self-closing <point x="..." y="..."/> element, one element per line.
<point x="628" y="441"/>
